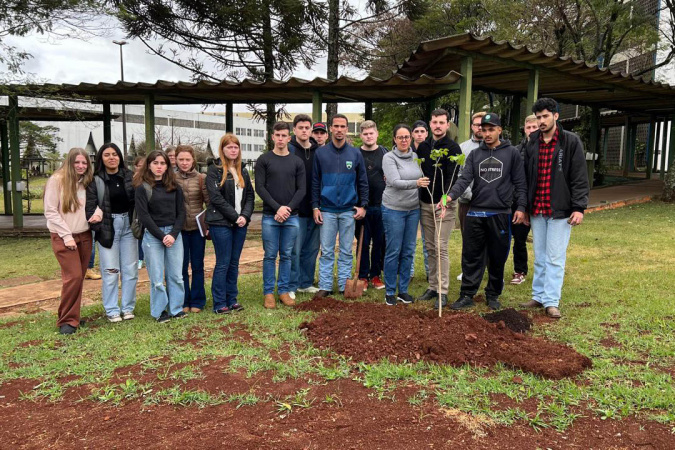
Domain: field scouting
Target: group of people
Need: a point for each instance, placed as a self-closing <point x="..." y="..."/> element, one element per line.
<point x="318" y="190"/>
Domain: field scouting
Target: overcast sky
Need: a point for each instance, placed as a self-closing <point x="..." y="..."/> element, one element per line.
<point x="70" y="60"/>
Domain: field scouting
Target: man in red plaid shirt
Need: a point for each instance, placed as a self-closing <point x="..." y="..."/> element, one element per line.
<point x="558" y="188"/>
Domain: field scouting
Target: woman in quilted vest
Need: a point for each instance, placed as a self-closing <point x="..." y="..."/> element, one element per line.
<point x="195" y="196"/>
<point x="110" y="204"/>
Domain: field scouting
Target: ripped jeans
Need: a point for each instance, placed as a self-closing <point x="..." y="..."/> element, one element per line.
<point x="160" y="261"/>
<point x="119" y="262"/>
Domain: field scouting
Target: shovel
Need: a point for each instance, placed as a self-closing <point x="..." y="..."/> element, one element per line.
<point x="354" y="287"/>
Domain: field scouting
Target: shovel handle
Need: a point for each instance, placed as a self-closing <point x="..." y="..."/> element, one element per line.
<point x="358" y="253"/>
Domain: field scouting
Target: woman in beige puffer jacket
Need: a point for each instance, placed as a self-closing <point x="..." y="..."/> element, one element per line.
<point x="195" y="196"/>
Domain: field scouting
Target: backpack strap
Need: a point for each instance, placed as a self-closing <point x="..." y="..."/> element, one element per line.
<point x="384" y="149"/>
<point x="148" y="190"/>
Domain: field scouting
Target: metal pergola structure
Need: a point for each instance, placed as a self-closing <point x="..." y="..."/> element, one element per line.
<point x="457" y="63"/>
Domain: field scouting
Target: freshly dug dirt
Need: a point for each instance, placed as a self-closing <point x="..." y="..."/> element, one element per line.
<point x="514" y="320"/>
<point x="369" y="332"/>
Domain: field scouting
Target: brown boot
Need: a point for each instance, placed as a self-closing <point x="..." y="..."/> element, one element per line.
<point x="186" y="309"/>
<point x="531" y="304"/>
<point x="286" y="299"/>
<point x="92" y="274"/>
<point x="553" y="312"/>
<point x="195" y="310"/>
<point x="270" y="302"/>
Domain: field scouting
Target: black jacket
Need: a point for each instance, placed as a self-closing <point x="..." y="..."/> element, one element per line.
<point x="104" y="231"/>
<point x="220" y="211"/>
<point x="447" y="167"/>
<point x="497" y="176"/>
<point x="569" y="177"/>
<point x="307" y="157"/>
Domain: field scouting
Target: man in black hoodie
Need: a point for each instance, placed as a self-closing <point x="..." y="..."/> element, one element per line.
<point x="306" y="249"/>
<point x="496" y="169"/>
<point x="557" y="194"/>
<point x="431" y="208"/>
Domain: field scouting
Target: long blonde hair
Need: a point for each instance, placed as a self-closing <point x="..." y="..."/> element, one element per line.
<point x="230" y="166"/>
<point x="69" y="180"/>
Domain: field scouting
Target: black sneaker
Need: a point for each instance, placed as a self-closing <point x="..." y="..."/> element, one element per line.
<point x="236" y="307"/>
<point x="444" y="301"/>
<point x="164" y="317"/>
<point x="179" y="315"/>
<point x="405" y="298"/>
<point x="429" y="294"/>
<point x="67" y="329"/>
<point x="223" y="310"/>
<point x="493" y="303"/>
<point x="390" y="300"/>
<point x="322" y="294"/>
<point x="463" y="302"/>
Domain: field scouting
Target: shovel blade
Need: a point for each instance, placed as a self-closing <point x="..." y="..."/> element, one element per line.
<point x="354" y="288"/>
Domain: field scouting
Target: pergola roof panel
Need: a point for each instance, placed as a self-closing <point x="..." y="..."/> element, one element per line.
<point x="500" y="66"/>
<point x="293" y="90"/>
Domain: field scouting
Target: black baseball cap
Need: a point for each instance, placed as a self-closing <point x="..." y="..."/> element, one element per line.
<point x="420" y="123"/>
<point x="491" y="119"/>
<point x="320" y="126"/>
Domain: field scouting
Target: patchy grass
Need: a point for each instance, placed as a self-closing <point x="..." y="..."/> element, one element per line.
<point x="27" y="256"/>
<point x="618" y="306"/>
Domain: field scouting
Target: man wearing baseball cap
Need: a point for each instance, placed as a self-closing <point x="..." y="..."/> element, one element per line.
<point x="320" y="133"/>
<point x="496" y="169"/>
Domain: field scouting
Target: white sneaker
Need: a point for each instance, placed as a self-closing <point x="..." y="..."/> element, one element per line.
<point x="309" y="290"/>
<point x="114" y="319"/>
<point x="459" y="277"/>
<point x="140" y="264"/>
<point x="292" y="295"/>
<point x="128" y="315"/>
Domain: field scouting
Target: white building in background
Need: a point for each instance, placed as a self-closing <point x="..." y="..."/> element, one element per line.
<point x="171" y="127"/>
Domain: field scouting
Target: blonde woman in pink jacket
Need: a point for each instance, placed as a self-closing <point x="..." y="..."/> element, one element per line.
<point x="64" y="201"/>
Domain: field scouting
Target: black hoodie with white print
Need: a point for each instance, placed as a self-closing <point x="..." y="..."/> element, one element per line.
<point x="498" y="176"/>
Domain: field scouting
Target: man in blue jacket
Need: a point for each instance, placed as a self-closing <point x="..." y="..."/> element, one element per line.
<point x="339" y="197"/>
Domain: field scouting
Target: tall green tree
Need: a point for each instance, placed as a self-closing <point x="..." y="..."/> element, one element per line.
<point x="228" y="39"/>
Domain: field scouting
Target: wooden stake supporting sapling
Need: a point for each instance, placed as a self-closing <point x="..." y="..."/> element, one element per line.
<point x="436" y="155"/>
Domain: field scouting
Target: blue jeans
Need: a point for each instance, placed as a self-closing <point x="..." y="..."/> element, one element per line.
<point x="228" y="243"/>
<point x="121" y="258"/>
<point x="551" y="237"/>
<point x="400" y="228"/>
<point x="162" y="262"/>
<point x="372" y="258"/>
<point x="426" y="259"/>
<point x="193" y="255"/>
<point x="140" y="249"/>
<point x="92" y="259"/>
<point x="278" y="239"/>
<point x="305" y="251"/>
<point x="334" y="224"/>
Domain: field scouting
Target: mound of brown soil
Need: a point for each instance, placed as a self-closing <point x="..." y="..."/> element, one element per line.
<point x="516" y="321"/>
<point x="369" y="332"/>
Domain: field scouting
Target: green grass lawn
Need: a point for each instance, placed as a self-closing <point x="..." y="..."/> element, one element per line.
<point x="620" y="288"/>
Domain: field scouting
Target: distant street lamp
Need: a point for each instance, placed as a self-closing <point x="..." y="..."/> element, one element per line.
<point x="124" y="109"/>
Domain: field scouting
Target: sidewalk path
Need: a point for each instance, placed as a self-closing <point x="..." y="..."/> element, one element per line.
<point x="14" y="297"/>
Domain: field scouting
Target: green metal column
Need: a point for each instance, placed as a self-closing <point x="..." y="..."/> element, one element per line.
<point x="671" y="150"/>
<point x="15" y="158"/>
<point x="368" y="114"/>
<point x="626" y="146"/>
<point x="107" y="131"/>
<point x="657" y="144"/>
<point x="593" y="142"/>
<point x="651" y="146"/>
<point x="516" y="119"/>
<point x="633" y="142"/>
<point x="317" y="100"/>
<point x="229" y="117"/>
<point x="149" y="122"/>
<point x="4" y="144"/>
<point x="465" y="87"/>
<point x="605" y="143"/>
<point x="532" y="90"/>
